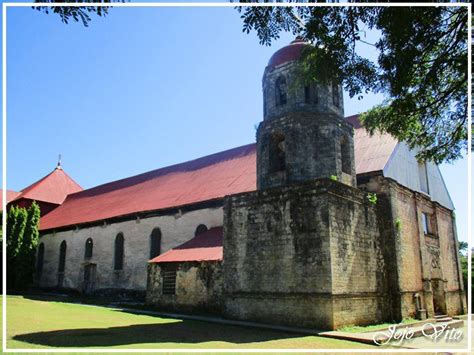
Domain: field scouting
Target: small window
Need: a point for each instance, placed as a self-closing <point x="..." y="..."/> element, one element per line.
<point x="62" y="256"/>
<point x="281" y="91"/>
<point x="426" y="223"/>
<point x="307" y="94"/>
<point x="119" y="249"/>
<point x="310" y="94"/>
<point x="200" y="229"/>
<point x="169" y="281"/>
<point x="423" y="175"/>
<point x="40" y="261"/>
<point x="89" y="247"/>
<point x="155" y="243"/>
<point x="335" y="95"/>
<point x="277" y="153"/>
<point x="346" y="165"/>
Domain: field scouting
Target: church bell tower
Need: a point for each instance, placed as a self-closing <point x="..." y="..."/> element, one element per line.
<point x="303" y="135"/>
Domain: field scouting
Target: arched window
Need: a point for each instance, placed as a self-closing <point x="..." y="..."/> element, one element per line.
<point x="155" y="243"/>
<point x="40" y="261"/>
<point x="346" y="165"/>
<point x="89" y="247"/>
<point x="200" y="229"/>
<point x="118" y="255"/>
<point x="277" y="153"/>
<point x="280" y="86"/>
<point x="62" y="256"/>
<point x="335" y="95"/>
<point x="310" y="94"/>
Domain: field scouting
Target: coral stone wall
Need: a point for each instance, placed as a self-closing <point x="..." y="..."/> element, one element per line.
<point x="304" y="255"/>
<point x="198" y="287"/>
<point x="427" y="263"/>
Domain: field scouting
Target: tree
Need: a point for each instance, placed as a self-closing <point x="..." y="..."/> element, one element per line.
<point x="22" y="240"/>
<point x="76" y="13"/>
<point x="16" y="223"/>
<point x="421" y="66"/>
<point x="25" y="263"/>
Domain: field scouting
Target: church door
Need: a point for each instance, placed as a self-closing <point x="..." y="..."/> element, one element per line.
<point x="88" y="283"/>
<point x="439" y="298"/>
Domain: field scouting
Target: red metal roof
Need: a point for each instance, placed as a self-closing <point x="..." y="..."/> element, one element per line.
<point x="207" y="246"/>
<point x="288" y="53"/>
<point x="53" y="188"/>
<point x="203" y="179"/>
<point x="208" y="178"/>
<point x="10" y="195"/>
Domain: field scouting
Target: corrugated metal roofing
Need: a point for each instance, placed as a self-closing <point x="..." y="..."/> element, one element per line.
<point x="10" y="195"/>
<point x="208" y="178"/>
<point x="207" y="246"/>
<point x="53" y="188"/>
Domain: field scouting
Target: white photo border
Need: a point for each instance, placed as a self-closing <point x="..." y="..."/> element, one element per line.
<point x="7" y="5"/>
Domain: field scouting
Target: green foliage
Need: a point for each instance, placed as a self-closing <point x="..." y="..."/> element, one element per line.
<point x="374" y="327"/>
<point x="462" y="246"/>
<point x="462" y="251"/>
<point x="25" y="264"/>
<point x="372" y="197"/>
<point x="421" y="65"/>
<point x="398" y="224"/>
<point x="76" y="13"/>
<point x="16" y="223"/>
<point x="334" y="178"/>
<point x="22" y="240"/>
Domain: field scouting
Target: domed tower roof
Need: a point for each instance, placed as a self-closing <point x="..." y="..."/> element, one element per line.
<point x="288" y="53"/>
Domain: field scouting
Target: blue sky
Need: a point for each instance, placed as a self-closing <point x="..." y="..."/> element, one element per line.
<point x="140" y="89"/>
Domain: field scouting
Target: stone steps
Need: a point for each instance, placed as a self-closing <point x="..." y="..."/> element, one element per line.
<point x="443" y="318"/>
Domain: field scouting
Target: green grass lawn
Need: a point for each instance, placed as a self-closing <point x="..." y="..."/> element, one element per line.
<point x="374" y="327"/>
<point x="36" y="323"/>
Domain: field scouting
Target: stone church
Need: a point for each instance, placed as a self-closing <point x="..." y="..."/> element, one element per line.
<point x="318" y="224"/>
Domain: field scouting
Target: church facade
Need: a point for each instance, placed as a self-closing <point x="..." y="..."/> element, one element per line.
<point x="318" y="224"/>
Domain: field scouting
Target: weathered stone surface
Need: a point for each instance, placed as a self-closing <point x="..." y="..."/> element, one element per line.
<point x="316" y="244"/>
<point x="300" y="97"/>
<point x="426" y="264"/>
<point x="198" y="287"/>
<point x="315" y="146"/>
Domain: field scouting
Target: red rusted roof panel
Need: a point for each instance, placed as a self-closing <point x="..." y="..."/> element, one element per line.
<point x="372" y="152"/>
<point x="207" y="246"/>
<point x="203" y="179"/>
<point x="53" y="188"/>
<point x="11" y="195"/>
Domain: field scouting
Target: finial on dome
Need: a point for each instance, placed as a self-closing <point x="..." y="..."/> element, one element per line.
<point x="59" y="162"/>
<point x="298" y="39"/>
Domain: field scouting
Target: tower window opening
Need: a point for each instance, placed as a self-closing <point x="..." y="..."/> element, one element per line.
<point x="277" y="153"/>
<point x="346" y="165"/>
<point x="307" y="94"/>
<point x="335" y="95"/>
<point x="281" y="91"/>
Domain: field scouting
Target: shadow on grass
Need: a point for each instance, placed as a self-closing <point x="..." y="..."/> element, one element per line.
<point x="185" y="332"/>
